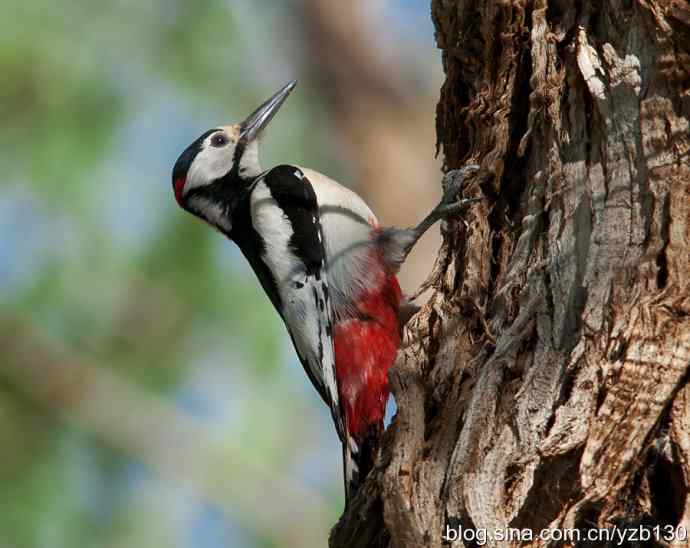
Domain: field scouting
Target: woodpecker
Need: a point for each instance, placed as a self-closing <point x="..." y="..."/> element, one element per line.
<point x="326" y="264"/>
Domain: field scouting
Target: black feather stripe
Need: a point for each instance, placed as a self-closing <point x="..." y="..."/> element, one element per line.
<point x="185" y="160"/>
<point x="252" y="246"/>
<point x="295" y="196"/>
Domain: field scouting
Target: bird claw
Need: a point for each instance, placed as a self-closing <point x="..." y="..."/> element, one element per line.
<point x="447" y="210"/>
<point x="454" y="180"/>
<point x="452" y="183"/>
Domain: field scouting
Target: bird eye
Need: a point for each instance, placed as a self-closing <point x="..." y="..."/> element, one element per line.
<point x="219" y="140"/>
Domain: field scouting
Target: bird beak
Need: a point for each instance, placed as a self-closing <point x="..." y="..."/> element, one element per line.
<point x="259" y="119"/>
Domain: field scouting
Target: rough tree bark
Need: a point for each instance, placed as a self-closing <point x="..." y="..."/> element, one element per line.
<point x="545" y="384"/>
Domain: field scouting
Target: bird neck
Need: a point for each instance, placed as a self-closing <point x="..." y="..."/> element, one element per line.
<point x="220" y="204"/>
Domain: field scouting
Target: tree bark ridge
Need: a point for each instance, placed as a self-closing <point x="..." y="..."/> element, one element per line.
<point x="545" y="382"/>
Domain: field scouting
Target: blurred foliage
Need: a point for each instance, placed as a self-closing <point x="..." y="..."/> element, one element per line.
<point x="161" y="310"/>
<point x="97" y="100"/>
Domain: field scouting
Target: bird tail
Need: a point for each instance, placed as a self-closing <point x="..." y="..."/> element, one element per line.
<point x="350" y="467"/>
<point x="359" y="457"/>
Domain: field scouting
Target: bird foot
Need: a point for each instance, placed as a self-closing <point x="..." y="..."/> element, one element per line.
<point x="448" y="210"/>
<point x="452" y="183"/>
<point x="454" y="180"/>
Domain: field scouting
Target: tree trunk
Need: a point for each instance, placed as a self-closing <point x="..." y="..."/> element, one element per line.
<point x="545" y="384"/>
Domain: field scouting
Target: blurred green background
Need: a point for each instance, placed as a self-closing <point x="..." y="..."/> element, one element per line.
<point x="149" y="395"/>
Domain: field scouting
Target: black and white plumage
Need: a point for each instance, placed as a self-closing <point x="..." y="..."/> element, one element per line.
<point x="322" y="259"/>
<point x="274" y="218"/>
<point x="285" y="214"/>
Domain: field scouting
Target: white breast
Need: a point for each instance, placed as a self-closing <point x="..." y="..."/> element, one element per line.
<point x="347" y="224"/>
<point x="303" y="297"/>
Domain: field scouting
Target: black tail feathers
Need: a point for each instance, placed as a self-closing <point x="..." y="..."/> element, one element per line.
<point x="359" y="457"/>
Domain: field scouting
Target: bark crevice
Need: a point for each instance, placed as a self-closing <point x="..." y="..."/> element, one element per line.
<point x="545" y="384"/>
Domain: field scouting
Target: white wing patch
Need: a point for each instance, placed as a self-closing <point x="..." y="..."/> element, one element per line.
<point x="347" y="224"/>
<point x="305" y="298"/>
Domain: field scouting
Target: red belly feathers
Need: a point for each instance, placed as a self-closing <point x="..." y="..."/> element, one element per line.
<point x="365" y="348"/>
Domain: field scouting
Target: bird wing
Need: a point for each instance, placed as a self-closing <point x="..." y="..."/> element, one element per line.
<point x="284" y="211"/>
<point x="356" y="275"/>
<point x="348" y="226"/>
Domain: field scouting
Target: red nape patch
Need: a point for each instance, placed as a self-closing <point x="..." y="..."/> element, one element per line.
<point x="365" y="350"/>
<point x="178" y="185"/>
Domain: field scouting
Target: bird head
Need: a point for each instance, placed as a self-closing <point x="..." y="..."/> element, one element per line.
<point x="221" y="163"/>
